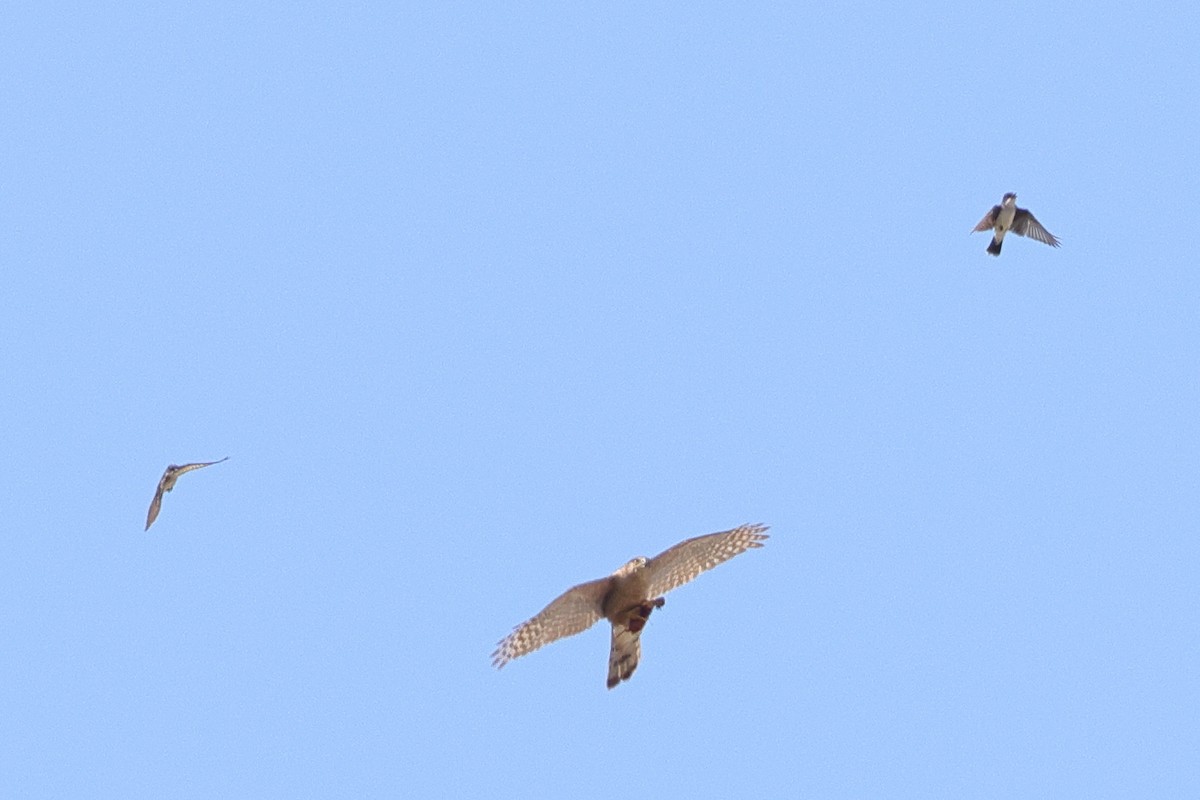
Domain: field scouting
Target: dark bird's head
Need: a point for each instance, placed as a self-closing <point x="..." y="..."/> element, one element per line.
<point x="1010" y="198"/>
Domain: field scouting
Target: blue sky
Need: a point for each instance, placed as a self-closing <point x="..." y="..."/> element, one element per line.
<point x="481" y="303"/>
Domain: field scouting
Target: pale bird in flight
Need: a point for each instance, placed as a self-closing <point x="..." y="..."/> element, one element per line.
<point x="167" y="483"/>
<point x="626" y="598"/>
<point x="1007" y="217"/>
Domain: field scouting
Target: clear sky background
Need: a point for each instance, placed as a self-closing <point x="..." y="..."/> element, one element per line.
<point x="481" y="303"/>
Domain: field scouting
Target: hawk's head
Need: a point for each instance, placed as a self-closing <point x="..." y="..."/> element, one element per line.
<point x="633" y="566"/>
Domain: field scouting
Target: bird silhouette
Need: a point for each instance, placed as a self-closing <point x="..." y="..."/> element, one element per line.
<point x="167" y="483"/>
<point x="1006" y="218"/>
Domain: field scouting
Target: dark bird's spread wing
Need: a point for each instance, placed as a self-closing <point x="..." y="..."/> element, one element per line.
<point x="1025" y="224"/>
<point x="989" y="220"/>
<point x="167" y="482"/>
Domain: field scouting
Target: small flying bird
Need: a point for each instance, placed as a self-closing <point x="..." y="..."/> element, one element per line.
<point x="1007" y="217"/>
<point x="626" y="599"/>
<point x="167" y="483"/>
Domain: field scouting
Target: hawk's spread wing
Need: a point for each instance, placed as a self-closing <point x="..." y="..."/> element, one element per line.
<point x="683" y="562"/>
<point x="576" y="610"/>
<point x="1025" y="224"/>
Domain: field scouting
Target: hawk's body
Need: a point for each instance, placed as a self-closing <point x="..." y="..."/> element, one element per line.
<point x="167" y="482"/>
<point x="626" y="599"/>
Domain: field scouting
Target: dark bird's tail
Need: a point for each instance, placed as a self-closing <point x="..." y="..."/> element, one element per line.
<point x="994" y="247"/>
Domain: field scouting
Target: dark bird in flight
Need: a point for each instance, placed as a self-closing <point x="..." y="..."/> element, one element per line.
<point x="167" y="483"/>
<point x="1007" y="217"/>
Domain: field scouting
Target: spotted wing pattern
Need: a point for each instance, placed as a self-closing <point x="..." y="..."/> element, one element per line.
<point x="576" y="610"/>
<point x="683" y="562"/>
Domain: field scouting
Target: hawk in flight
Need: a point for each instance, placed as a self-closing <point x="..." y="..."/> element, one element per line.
<point x="626" y="598"/>
<point x="167" y="483"/>
<point x="1007" y="217"/>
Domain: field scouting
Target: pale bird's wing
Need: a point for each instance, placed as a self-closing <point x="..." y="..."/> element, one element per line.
<point x="683" y="562"/>
<point x="167" y="483"/>
<point x="574" y="611"/>
<point x="989" y="220"/>
<point x="1025" y="224"/>
<point x="156" y="503"/>
<point x="189" y="467"/>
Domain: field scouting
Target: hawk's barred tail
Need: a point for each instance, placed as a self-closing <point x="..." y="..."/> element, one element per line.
<point x="627" y="642"/>
<point x="625" y="654"/>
